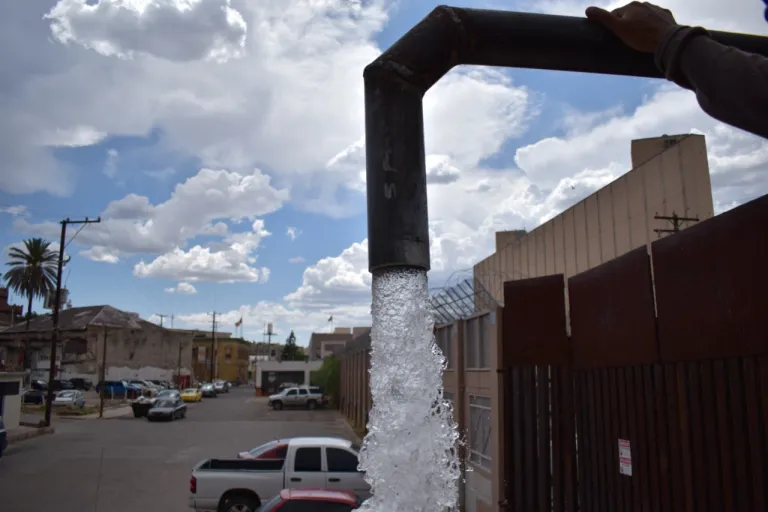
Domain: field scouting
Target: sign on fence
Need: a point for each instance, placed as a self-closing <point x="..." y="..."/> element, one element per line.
<point x="625" y="457"/>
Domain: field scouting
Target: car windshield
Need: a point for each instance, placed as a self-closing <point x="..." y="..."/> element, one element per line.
<point x="167" y="392"/>
<point x="164" y="403"/>
<point x="190" y="391"/>
<point x="66" y="394"/>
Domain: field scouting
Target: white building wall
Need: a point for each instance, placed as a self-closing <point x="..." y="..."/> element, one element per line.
<point x="287" y="366"/>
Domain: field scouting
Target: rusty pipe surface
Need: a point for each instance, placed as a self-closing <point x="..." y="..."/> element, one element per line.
<point x="398" y="230"/>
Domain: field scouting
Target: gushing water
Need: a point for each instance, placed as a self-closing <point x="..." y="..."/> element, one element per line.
<point x="409" y="453"/>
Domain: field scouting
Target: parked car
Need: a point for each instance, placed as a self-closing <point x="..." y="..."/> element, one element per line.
<point x="304" y="396"/>
<point x="34" y="397"/>
<point x="208" y="390"/>
<point x="168" y="393"/>
<point x="286" y="385"/>
<point x="221" y="386"/>
<point x="82" y="384"/>
<point x="61" y="385"/>
<point x="118" y="389"/>
<point x="70" y="398"/>
<point x="167" y="409"/>
<point x="191" y="395"/>
<point x="307" y="500"/>
<point x="3" y="437"/>
<point x="39" y="385"/>
<point x="310" y="463"/>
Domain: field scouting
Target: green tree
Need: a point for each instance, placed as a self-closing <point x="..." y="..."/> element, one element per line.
<point x="327" y="377"/>
<point x="291" y="351"/>
<point x="32" y="274"/>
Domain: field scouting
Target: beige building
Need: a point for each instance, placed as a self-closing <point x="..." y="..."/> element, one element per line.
<point x="670" y="176"/>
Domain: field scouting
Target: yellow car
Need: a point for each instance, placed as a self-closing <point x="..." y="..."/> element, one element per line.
<point x="191" y="395"/>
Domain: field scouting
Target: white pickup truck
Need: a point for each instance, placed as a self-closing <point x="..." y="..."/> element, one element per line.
<point x="244" y="484"/>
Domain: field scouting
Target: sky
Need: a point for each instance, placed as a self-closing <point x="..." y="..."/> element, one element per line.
<point x="221" y="144"/>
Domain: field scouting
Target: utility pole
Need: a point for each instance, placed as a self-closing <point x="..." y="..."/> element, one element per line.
<point x="676" y="221"/>
<point x="55" y="316"/>
<point x="161" y="318"/>
<point x="172" y="321"/>
<point x="178" y="368"/>
<point x="103" y="377"/>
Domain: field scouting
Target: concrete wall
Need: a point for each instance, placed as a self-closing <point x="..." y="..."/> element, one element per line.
<point x="12" y="403"/>
<point x="613" y="220"/>
<point x="287" y="366"/>
<point x="148" y="353"/>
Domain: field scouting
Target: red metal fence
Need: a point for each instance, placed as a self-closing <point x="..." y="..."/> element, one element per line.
<point x="654" y="403"/>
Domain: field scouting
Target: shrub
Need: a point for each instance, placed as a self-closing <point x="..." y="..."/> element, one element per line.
<point x="327" y="377"/>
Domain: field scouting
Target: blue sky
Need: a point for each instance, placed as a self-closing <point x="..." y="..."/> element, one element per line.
<point x="115" y="109"/>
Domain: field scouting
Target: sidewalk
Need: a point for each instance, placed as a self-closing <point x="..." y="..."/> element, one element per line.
<point x="112" y="413"/>
<point x="16" y="435"/>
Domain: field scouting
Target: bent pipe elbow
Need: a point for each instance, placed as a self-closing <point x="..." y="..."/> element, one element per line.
<point x="396" y="178"/>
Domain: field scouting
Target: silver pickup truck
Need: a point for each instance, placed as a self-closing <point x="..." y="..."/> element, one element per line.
<point x="302" y="396"/>
<point x="242" y="485"/>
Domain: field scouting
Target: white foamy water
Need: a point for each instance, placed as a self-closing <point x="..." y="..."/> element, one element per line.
<point x="409" y="453"/>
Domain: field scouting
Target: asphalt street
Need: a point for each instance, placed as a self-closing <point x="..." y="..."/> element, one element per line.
<point x="130" y="465"/>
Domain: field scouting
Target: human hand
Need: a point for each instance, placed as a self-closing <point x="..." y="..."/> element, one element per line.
<point x="640" y="25"/>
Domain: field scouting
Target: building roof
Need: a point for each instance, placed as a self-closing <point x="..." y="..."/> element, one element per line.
<point x="79" y="319"/>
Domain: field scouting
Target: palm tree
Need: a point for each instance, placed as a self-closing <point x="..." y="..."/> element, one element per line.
<point x="32" y="275"/>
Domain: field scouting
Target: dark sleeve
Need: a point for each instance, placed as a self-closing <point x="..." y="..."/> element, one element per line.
<point x="730" y="85"/>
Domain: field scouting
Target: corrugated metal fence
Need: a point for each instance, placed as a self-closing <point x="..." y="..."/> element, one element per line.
<point x="655" y="402"/>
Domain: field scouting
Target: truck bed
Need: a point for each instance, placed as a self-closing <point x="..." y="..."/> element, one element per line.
<point x="241" y="465"/>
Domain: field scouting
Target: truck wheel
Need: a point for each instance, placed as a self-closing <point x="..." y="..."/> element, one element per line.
<point x="311" y="405"/>
<point x="239" y="503"/>
<point x="277" y="405"/>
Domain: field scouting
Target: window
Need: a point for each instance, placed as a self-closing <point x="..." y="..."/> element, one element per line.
<point x="341" y="461"/>
<point x="308" y="460"/>
<point x="477" y="343"/>
<point x="303" y="392"/>
<point x="480" y="431"/>
<point x="291" y="392"/>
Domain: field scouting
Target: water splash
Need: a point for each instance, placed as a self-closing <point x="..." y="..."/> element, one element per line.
<point x="409" y="454"/>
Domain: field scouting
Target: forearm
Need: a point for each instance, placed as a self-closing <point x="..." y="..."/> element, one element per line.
<point x="730" y="85"/>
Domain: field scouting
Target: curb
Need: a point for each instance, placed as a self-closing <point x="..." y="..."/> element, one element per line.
<point x="15" y="437"/>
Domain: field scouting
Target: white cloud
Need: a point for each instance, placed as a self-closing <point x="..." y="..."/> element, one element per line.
<point x="110" y="166"/>
<point x="177" y="30"/>
<point x="183" y="288"/>
<point x="161" y="174"/>
<point x="15" y="211"/>
<point x="346" y="277"/>
<point x="292" y="233"/>
<point x="133" y="225"/>
<point x="101" y="254"/>
<point x="233" y="262"/>
<point x="297" y="259"/>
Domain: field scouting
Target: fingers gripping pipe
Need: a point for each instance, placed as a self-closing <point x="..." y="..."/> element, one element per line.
<point x="398" y="229"/>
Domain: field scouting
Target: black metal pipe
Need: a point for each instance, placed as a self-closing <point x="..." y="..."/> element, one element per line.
<point x="398" y="231"/>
